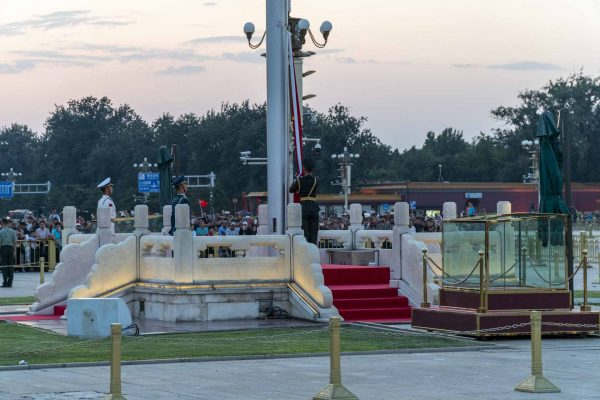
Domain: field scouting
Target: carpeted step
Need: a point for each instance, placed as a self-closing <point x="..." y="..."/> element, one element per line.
<point x="60" y="310"/>
<point x="376" y="302"/>
<point x="372" y="314"/>
<point x="362" y="291"/>
<point x="341" y="274"/>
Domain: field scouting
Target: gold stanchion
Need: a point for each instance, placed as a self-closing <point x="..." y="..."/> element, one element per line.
<point x="536" y="383"/>
<point x="335" y="389"/>
<point x="115" y="364"/>
<point x="425" y="303"/>
<point x="51" y="254"/>
<point x="556" y="261"/>
<point x="582" y="243"/>
<point x="585" y="306"/>
<point x="482" y="290"/>
<point x="42" y="267"/>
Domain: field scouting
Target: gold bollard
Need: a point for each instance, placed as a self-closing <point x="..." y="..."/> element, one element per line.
<point x="536" y="383"/>
<point x="335" y="389"/>
<point x="51" y="254"/>
<point x="425" y="303"/>
<point x="585" y="306"/>
<point x="482" y="290"/>
<point x="582" y="243"/>
<point x="42" y="266"/>
<point x="115" y="364"/>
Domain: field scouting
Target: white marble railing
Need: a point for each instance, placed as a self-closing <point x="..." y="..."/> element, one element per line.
<point x="364" y="238"/>
<point x="80" y="237"/>
<point x="115" y="266"/>
<point x="308" y="273"/>
<point x="411" y="279"/>
<point x="76" y="260"/>
<point x="335" y="239"/>
<point x="156" y="258"/>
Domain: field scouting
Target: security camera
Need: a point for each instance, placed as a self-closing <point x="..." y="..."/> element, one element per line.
<point x="318" y="148"/>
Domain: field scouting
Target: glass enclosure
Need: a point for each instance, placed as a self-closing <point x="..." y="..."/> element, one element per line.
<point x="520" y="251"/>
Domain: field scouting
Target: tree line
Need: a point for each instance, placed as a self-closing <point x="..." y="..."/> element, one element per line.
<point x="91" y="138"/>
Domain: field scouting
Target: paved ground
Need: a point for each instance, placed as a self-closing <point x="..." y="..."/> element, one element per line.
<point x="571" y="364"/>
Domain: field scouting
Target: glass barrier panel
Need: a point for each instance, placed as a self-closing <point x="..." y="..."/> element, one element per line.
<point x="461" y="242"/>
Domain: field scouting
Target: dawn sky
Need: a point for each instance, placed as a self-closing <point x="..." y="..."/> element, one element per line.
<point x="408" y="66"/>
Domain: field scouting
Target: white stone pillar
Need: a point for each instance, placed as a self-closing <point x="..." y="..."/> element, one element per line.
<point x="104" y="229"/>
<point x="182" y="245"/>
<point x="356" y="219"/>
<point x="141" y="226"/>
<point x="69" y="222"/>
<point x="401" y="222"/>
<point x="449" y="210"/>
<point x="503" y="207"/>
<point x="263" y="220"/>
<point x="167" y="210"/>
<point x="294" y="219"/>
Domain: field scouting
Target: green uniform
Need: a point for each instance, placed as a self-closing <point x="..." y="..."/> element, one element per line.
<point x="307" y="186"/>
<point x="8" y="239"/>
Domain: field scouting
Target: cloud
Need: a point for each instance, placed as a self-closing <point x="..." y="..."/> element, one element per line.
<point x="183" y="70"/>
<point x="162" y="54"/>
<point x="517" y="66"/>
<point x="17" y="67"/>
<point x="56" y="20"/>
<point x="526" y="66"/>
<point x="243" y="57"/>
<point x="210" y="4"/>
<point x="217" y="39"/>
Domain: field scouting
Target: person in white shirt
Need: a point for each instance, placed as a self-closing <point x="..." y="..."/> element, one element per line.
<point x="106" y="187"/>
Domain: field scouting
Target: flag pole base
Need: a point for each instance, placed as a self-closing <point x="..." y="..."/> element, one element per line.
<point x="335" y="391"/>
<point x="537" y="384"/>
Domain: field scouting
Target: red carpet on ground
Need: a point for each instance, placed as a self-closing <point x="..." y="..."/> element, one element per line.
<point x="363" y="293"/>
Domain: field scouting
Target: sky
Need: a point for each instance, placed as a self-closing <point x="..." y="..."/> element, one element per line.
<point x="408" y="66"/>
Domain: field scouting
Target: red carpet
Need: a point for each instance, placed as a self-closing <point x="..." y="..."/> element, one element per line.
<point x="363" y="293"/>
<point x="29" y="317"/>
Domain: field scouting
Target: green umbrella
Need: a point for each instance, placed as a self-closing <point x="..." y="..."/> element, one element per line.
<point x="164" y="167"/>
<point x="551" y="181"/>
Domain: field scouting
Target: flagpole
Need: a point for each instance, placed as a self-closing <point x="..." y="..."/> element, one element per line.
<point x="568" y="197"/>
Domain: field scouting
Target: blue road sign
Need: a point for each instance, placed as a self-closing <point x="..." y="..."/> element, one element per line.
<point x="6" y="190"/>
<point x="386" y="207"/>
<point x="149" y="182"/>
<point x="413" y="205"/>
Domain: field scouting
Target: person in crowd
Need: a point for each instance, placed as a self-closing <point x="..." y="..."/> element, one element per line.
<point x="8" y="244"/>
<point x="106" y="187"/>
<point x="245" y="229"/>
<point x="180" y="185"/>
<point x="54" y="215"/>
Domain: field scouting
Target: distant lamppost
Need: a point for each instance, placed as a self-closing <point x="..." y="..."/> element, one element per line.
<point x="145" y="166"/>
<point x="345" y="161"/>
<point x="11" y="175"/>
<point x="440" y="178"/>
<point x="234" y="200"/>
<point x="533" y="148"/>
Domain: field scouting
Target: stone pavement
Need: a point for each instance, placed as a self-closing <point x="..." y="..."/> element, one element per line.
<point x="491" y="374"/>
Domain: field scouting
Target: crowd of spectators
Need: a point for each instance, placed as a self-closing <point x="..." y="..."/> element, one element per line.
<point x="417" y="222"/>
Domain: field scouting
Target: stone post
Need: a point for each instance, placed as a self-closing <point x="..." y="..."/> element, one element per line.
<point x="503" y="207"/>
<point x="263" y="220"/>
<point x="167" y="210"/>
<point x="294" y="219"/>
<point x="140" y="224"/>
<point x="69" y="221"/>
<point x="356" y="218"/>
<point x="401" y="222"/>
<point x="104" y="229"/>
<point x="449" y="210"/>
<point x="182" y="245"/>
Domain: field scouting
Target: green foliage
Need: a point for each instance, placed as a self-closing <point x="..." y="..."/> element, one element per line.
<point x="89" y="139"/>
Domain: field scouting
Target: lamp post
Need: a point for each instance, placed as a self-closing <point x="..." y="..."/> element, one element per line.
<point x="345" y="161"/>
<point x="533" y="148"/>
<point x="279" y="27"/>
<point x="440" y="178"/>
<point x="11" y="175"/>
<point x="234" y="200"/>
<point x="144" y="167"/>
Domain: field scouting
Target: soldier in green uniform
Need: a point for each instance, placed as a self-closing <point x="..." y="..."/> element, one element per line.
<point x="180" y="185"/>
<point x="8" y="242"/>
<point x="307" y="187"/>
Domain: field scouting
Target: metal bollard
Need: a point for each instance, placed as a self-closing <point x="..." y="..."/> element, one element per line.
<point x="585" y="306"/>
<point x="42" y="266"/>
<point x="482" y="285"/>
<point x="536" y="383"/>
<point x="115" y="364"/>
<point x="335" y="389"/>
<point x="425" y="303"/>
<point x="51" y="255"/>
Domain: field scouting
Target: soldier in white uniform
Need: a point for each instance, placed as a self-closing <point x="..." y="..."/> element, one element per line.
<point x="106" y="187"/>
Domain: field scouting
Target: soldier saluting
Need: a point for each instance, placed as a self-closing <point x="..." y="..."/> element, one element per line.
<point x="180" y="185"/>
<point x="307" y="186"/>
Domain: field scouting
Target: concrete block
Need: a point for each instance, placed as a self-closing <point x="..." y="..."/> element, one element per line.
<point x="91" y="318"/>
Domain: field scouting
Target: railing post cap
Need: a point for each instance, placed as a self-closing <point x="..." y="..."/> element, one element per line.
<point x="584" y="251"/>
<point x="524" y="249"/>
<point x="424" y="251"/>
<point x="481" y="252"/>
